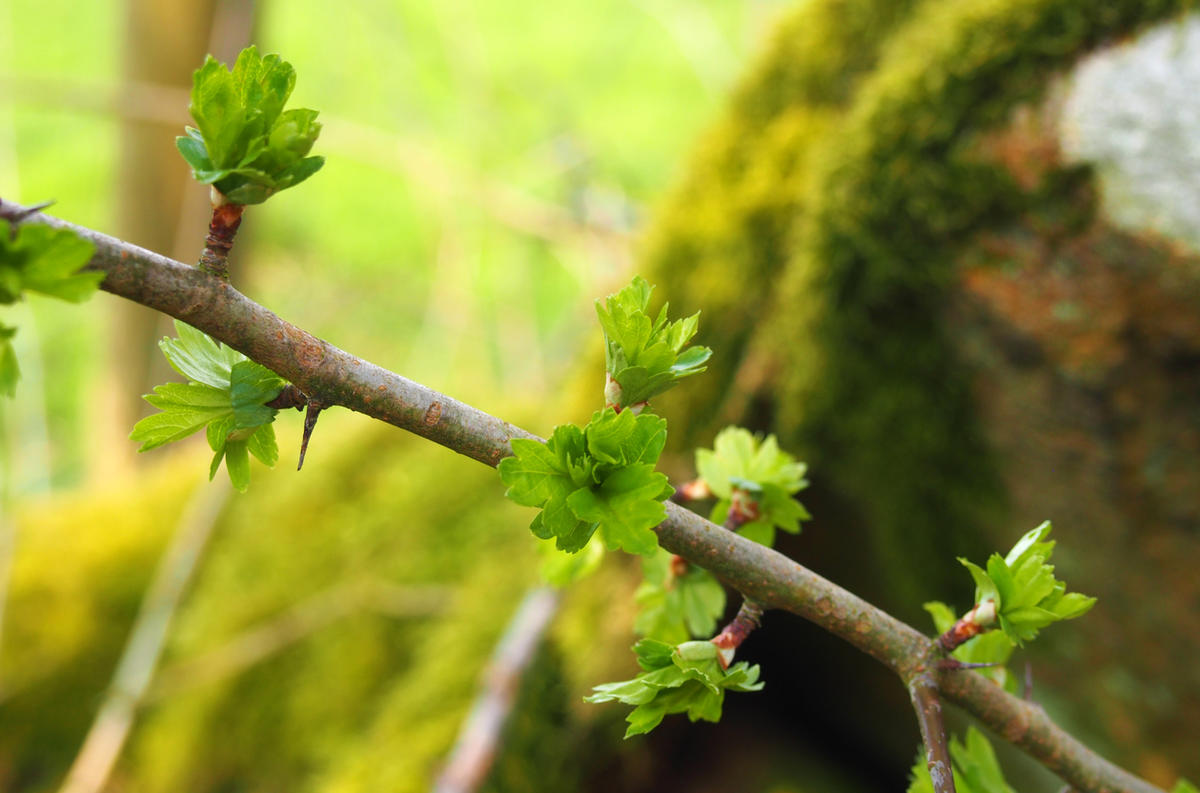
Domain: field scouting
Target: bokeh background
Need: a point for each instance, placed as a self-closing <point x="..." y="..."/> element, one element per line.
<point x="943" y="250"/>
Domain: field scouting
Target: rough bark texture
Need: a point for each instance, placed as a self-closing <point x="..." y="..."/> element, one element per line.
<point x="758" y="572"/>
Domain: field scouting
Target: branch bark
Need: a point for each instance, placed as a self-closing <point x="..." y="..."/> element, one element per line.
<point x="319" y="369"/>
<point x="928" y="707"/>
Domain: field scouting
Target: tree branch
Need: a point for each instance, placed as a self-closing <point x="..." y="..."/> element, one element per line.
<point x="924" y="694"/>
<point x="319" y="369"/>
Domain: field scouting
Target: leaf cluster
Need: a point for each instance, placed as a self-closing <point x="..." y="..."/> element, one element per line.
<point x="38" y="258"/>
<point x="975" y="768"/>
<point x="992" y="647"/>
<point x="743" y="466"/>
<point x="675" y="607"/>
<point x="225" y="395"/>
<point x="644" y="357"/>
<point x="244" y="143"/>
<point x="685" y="678"/>
<point x="599" y="478"/>
<point x="1023" y="587"/>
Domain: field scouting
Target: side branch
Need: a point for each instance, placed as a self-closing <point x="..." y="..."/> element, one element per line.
<point x="335" y="377"/>
<point x="928" y="707"/>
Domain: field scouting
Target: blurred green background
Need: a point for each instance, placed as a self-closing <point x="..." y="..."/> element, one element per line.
<point x="903" y="271"/>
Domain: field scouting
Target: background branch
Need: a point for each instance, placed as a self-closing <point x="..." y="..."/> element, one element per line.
<point x="319" y="368"/>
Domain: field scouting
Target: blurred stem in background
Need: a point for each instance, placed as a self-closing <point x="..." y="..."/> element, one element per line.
<point x="157" y="206"/>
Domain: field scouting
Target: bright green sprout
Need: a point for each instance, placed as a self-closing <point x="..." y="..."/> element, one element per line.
<point x="597" y="479"/>
<point x="644" y="358"/>
<point x="686" y="678"/>
<point x="244" y="143"/>
<point x="756" y="479"/>
<point x="38" y="258"/>
<point x="1023" y="594"/>
<point x="225" y="395"/>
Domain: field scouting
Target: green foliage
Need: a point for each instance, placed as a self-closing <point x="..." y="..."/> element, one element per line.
<point x="1024" y="590"/>
<point x="674" y="606"/>
<point x="644" y="358"/>
<point x="685" y="678"/>
<point x="38" y="258"/>
<point x="597" y="479"/>
<point x="225" y="395"/>
<point x="975" y="768"/>
<point x="740" y="466"/>
<point x="1184" y="786"/>
<point x="561" y="569"/>
<point x="992" y="647"/>
<point x="244" y="143"/>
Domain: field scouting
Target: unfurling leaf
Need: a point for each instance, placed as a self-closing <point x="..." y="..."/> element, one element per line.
<point x="685" y="678"/>
<point x="1022" y="586"/>
<point x="599" y="479"/>
<point x="225" y="396"/>
<point x="644" y="357"/>
<point x="244" y="143"/>
<point x="757" y="477"/>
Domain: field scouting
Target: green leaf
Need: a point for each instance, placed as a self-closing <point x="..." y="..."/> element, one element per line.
<point x="684" y="680"/>
<point x="599" y="478"/>
<point x="762" y="474"/>
<point x="262" y="445"/>
<point x="225" y="396"/>
<point x="1022" y="584"/>
<point x="1184" y="786"/>
<point x="200" y="358"/>
<point x="244" y="143"/>
<point x="185" y="409"/>
<point x="237" y="462"/>
<point x="52" y="262"/>
<point x="626" y="506"/>
<point x="644" y="358"/>
<point x="675" y="608"/>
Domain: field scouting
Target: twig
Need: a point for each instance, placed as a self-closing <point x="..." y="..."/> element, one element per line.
<point x="104" y="740"/>
<point x="748" y="618"/>
<point x="475" y="749"/>
<point x="756" y="571"/>
<point x="924" y="694"/>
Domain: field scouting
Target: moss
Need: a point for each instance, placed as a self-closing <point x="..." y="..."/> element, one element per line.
<point x="824" y="257"/>
<point x="80" y="567"/>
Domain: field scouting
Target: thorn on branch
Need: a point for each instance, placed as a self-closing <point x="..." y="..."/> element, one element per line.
<point x="18" y="217"/>
<point x="315" y="406"/>
<point x="955" y="665"/>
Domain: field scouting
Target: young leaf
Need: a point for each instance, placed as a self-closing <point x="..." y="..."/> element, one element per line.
<point x="244" y="143"/>
<point x="38" y="258"/>
<point x="1022" y="586"/>
<point x="756" y="478"/>
<point x="644" y="358"/>
<point x="686" y="678"/>
<point x="599" y="478"/>
<point x="1184" y="786"/>
<point x="674" y="607"/>
<point x="225" y="396"/>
